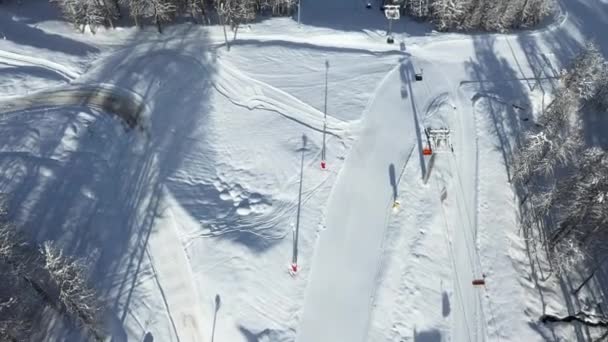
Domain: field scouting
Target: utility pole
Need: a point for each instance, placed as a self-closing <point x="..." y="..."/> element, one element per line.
<point x="323" y="149"/>
<point x="299" y="10"/>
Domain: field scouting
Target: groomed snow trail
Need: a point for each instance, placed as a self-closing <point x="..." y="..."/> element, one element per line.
<point x="346" y="261"/>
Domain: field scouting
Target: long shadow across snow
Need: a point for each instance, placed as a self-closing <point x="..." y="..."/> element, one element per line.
<point x="120" y="172"/>
<point x="20" y="32"/>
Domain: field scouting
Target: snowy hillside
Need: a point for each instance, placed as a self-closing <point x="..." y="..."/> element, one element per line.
<point x="181" y="171"/>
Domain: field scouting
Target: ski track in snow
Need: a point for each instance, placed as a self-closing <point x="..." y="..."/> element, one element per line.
<point x="112" y="99"/>
<point x="247" y="92"/>
<point x="16" y="59"/>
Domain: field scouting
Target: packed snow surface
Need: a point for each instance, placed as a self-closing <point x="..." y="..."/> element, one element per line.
<point x="181" y="170"/>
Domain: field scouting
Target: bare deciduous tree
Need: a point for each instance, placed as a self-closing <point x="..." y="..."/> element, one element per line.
<point x="34" y="279"/>
<point x="88" y="13"/>
<point x="70" y="277"/>
<point x="567" y="254"/>
<point x="234" y="13"/>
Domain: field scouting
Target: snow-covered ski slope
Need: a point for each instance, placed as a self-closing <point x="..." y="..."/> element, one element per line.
<point x="187" y="219"/>
<point x="342" y="280"/>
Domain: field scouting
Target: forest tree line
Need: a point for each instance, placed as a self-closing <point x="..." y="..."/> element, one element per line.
<point x="460" y="15"/>
<point x="564" y="174"/>
<point x="482" y="15"/>
<point x="96" y="13"/>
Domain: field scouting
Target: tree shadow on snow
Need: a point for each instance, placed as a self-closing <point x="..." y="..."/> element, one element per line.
<point x="563" y="44"/>
<point x="100" y="199"/>
<point x="21" y="32"/>
<point x="352" y="15"/>
<point x="503" y="82"/>
<point x="263" y="336"/>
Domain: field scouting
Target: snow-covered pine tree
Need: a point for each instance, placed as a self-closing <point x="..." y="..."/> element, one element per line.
<point x="159" y="11"/>
<point x="554" y="143"/>
<point x="194" y="8"/>
<point x="580" y="201"/>
<point x="162" y="11"/>
<point x="492" y="14"/>
<point x="418" y="8"/>
<point x="449" y="14"/>
<point x="511" y="15"/>
<point x="83" y="13"/>
<point x="601" y="98"/>
<point x="586" y="72"/>
<point x="534" y="11"/>
<point x="137" y="10"/>
<point x="88" y="13"/>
